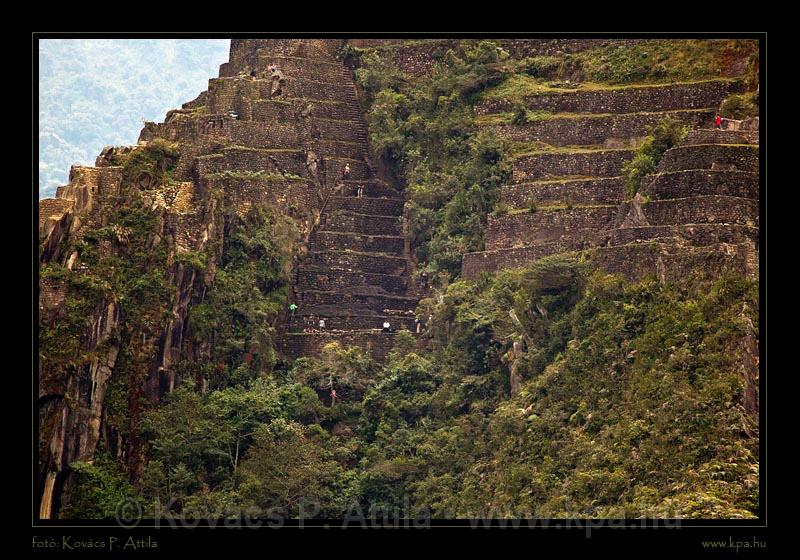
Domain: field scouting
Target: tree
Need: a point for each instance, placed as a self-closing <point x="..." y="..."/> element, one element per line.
<point x="240" y="413"/>
<point x="285" y="468"/>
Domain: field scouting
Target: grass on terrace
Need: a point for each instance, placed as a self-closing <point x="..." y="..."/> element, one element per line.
<point x="560" y="180"/>
<point x="652" y="62"/>
<point x="519" y="86"/>
<point x="534" y="116"/>
<point x="515" y="211"/>
<point x="253" y="175"/>
<point x="518" y="150"/>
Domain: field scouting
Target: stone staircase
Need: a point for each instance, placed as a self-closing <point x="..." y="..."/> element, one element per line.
<point x="355" y="276"/>
<point x="570" y="195"/>
<point x="355" y="273"/>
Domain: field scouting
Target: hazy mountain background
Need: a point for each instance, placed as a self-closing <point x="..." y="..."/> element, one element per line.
<point x="97" y="92"/>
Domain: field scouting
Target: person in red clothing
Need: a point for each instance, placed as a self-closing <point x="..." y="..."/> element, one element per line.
<point x="333" y="397"/>
<point x="717" y="121"/>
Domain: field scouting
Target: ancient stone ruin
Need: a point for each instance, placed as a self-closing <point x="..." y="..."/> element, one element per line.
<point x="296" y="139"/>
<point x="243" y="143"/>
<point x="699" y="212"/>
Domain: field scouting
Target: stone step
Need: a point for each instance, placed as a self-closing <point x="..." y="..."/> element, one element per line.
<point x="332" y="240"/>
<point x="244" y="191"/>
<point x="598" y="190"/>
<point x="299" y="72"/>
<point x="698" y="235"/>
<point x="351" y="322"/>
<point x="310" y="90"/>
<point x="546" y="226"/>
<point x="342" y="149"/>
<point x="240" y="94"/>
<point x="581" y="163"/>
<point x="738" y="157"/>
<point x="242" y="160"/>
<point x="263" y="135"/>
<point x="344" y="221"/>
<point x="288" y="109"/>
<point x="609" y="130"/>
<point x="626" y="99"/>
<point x="672" y="252"/>
<point x="706" y="209"/>
<point x="372" y="187"/>
<point x="266" y="135"/>
<point x="367" y="204"/>
<point x="292" y="66"/>
<point x="524" y="48"/>
<point x="377" y="344"/>
<point x="328" y="279"/>
<point x="362" y="303"/>
<point x="331" y="129"/>
<point x="718" y="136"/>
<point x="695" y="182"/>
<point x="353" y="261"/>
<point x="359" y="170"/>
<point x="291" y="161"/>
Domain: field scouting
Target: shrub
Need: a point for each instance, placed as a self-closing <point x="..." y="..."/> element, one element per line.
<point x="501" y="209"/>
<point x="662" y="137"/>
<point x="423" y="129"/>
<point x="100" y="486"/>
<point x="740" y="106"/>
<point x="520" y="115"/>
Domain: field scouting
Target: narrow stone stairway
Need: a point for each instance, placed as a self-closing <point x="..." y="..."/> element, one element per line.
<point x="354" y="280"/>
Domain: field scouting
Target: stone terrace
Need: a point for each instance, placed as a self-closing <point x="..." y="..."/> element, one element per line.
<point x="570" y="197"/>
<point x="355" y="272"/>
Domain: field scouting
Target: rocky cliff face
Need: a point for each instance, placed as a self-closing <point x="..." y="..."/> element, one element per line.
<point x="132" y="245"/>
<point x="281" y="140"/>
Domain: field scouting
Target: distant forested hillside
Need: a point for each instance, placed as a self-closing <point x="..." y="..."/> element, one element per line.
<point x="97" y="92"/>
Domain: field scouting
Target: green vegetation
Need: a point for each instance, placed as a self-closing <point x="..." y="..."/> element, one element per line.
<point x="126" y="263"/>
<point x="61" y="342"/>
<point x="249" y="291"/>
<point x="740" y="106"/>
<point x="629" y="405"/>
<point x="663" y="136"/>
<point x="424" y="130"/>
<point x="650" y="61"/>
<point x="553" y="390"/>
<point x="156" y="161"/>
<point x="100" y="486"/>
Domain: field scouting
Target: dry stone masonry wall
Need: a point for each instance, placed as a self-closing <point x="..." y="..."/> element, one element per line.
<point x="250" y="140"/>
<point x="254" y="139"/>
<point x="699" y="212"/>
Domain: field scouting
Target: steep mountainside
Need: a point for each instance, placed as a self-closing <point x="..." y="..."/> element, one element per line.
<point x="564" y="247"/>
